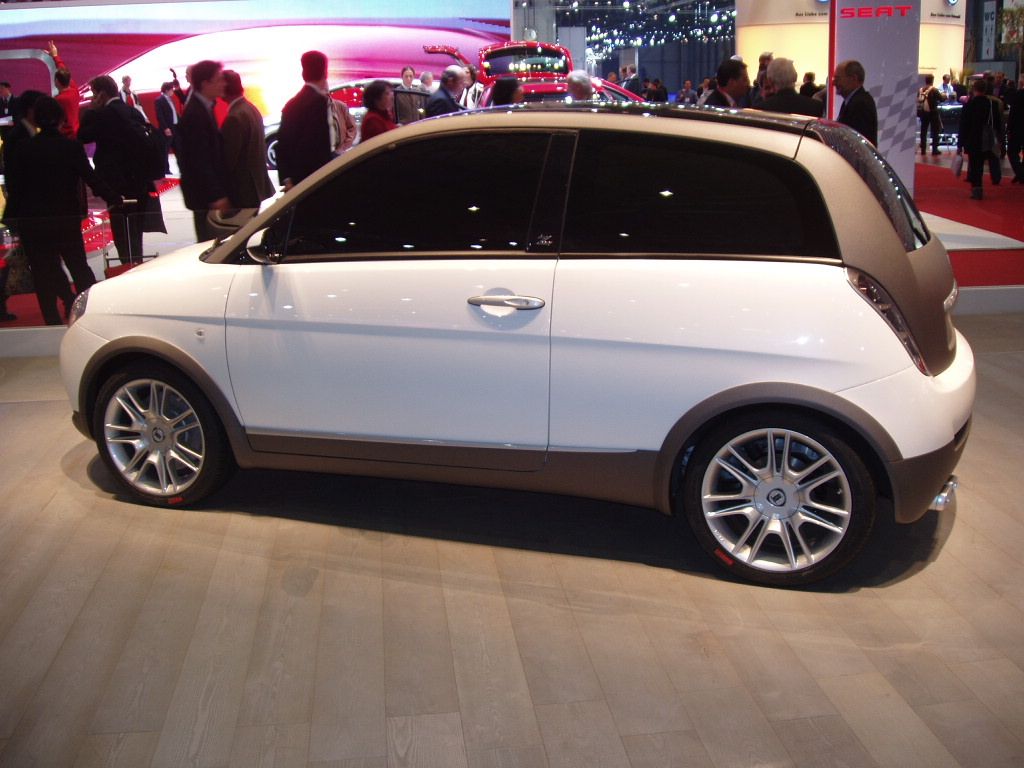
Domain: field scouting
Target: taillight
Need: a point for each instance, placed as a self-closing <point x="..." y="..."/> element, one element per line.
<point x="882" y="303"/>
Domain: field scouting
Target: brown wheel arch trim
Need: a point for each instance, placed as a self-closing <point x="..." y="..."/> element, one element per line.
<point x="131" y="348"/>
<point x="768" y="395"/>
<point x="623" y="477"/>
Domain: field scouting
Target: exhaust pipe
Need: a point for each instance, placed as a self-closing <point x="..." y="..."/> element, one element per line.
<point x="946" y="496"/>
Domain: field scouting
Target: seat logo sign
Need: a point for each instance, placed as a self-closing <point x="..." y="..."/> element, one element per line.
<point x="875" y="12"/>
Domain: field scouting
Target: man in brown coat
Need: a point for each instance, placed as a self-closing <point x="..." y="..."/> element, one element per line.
<point x="245" y="154"/>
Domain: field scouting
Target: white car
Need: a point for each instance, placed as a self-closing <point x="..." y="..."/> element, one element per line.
<point x="736" y="318"/>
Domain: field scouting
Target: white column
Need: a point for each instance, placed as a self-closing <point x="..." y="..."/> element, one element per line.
<point x="885" y="39"/>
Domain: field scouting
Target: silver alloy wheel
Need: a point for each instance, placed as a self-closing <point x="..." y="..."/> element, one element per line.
<point x="154" y="437"/>
<point x="776" y="500"/>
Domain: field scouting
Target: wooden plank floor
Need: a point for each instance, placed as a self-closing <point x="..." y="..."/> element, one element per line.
<point x="307" y="620"/>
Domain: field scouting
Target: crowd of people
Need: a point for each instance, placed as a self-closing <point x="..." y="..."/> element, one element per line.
<point x="774" y="89"/>
<point x="222" y="162"/>
<point x="46" y="169"/>
<point x="991" y="124"/>
<point x="992" y="127"/>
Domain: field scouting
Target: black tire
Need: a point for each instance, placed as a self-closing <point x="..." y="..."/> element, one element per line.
<point x="773" y="526"/>
<point x="160" y="437"/>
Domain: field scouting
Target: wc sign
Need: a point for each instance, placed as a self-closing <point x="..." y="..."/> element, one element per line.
<point x="885" y="38"/>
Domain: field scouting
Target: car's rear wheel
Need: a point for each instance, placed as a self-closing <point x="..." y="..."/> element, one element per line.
<point x="778" y="499"/>
<point x="160" y="436"/>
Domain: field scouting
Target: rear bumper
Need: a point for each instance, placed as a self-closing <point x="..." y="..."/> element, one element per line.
<point x="917" y="481"/>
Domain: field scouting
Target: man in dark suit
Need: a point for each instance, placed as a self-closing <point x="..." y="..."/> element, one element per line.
<point x="780" y="80"/>
<point x="49" y="202"/>
<point x="201" y="149"/>
<point x="167" y="117"/>
<point x="107" y="124"/>
<point x="304" y="141"/>
<point x="22" y="128"/>
<point x="631" y="80"/>
<point x="245" y="158"/>
<point x="446" y="98"/>
<point x="858" y="110"/>
<point x="6" y="99"/>
<point x="733" y="85"/>
<point x="808" y="88"/>
<point x="928" y="99"/>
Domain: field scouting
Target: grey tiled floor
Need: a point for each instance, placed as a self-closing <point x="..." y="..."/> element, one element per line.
<point x="328" y="621"/>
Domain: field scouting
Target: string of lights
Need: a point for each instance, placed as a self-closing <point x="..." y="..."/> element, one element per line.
<point x="616" y="24"/>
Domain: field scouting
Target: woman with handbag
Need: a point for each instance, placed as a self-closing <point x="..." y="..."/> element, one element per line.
<point x="981" y="132"/>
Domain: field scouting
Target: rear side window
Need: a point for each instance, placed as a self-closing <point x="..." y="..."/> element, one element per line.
<point x="881" y="179"/>
<point x="464" y="192"/>
<point x="661" y="194"/>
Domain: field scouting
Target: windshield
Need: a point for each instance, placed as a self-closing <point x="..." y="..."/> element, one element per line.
<point x="526" y="61"/>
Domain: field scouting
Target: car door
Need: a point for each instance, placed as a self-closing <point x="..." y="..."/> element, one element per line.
<point x="702" y="257"/>
<point x="409" y="319"/>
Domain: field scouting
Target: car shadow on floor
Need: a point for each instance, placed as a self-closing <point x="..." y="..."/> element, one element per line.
<point x="534" y="521"/>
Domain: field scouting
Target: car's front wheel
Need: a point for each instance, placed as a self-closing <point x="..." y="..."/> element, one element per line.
<point x="160" y="436"/>
<point x="778" y="499"/>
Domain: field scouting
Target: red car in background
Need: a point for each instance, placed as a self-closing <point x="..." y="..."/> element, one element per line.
<point x="542" y="69"/>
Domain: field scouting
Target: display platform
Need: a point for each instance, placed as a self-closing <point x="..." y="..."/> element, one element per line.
<point x="302" y="619"/>
<point x="987" y="248"/>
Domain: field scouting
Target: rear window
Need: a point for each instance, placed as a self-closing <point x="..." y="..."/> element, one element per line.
<point x="557" y="96"/>
<point x="526" y="61"/>
<point x="647" y="194"/>
<point x="881" y="179"/>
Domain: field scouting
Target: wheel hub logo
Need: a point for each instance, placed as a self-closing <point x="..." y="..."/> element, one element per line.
<point x="777" y="498"/>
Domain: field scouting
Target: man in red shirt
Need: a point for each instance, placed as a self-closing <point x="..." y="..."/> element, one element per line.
<point x="67" y="93"/>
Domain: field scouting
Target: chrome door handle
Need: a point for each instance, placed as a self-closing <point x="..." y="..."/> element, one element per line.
<point x="515" y="302"/>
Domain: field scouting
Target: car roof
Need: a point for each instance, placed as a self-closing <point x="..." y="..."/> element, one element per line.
<point x="753" y="118"/>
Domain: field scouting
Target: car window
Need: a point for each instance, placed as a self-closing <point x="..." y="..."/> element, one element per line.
<point x="557" y="96"/>
<point x="465" y="192"/>
<point x="526" y="61"/>
<point x="641" y="193"/>
<point x="882" y="180"/>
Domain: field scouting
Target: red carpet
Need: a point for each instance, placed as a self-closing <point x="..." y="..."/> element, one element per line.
<point x="938" y="192"/>
<point x="979" y="268"/>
